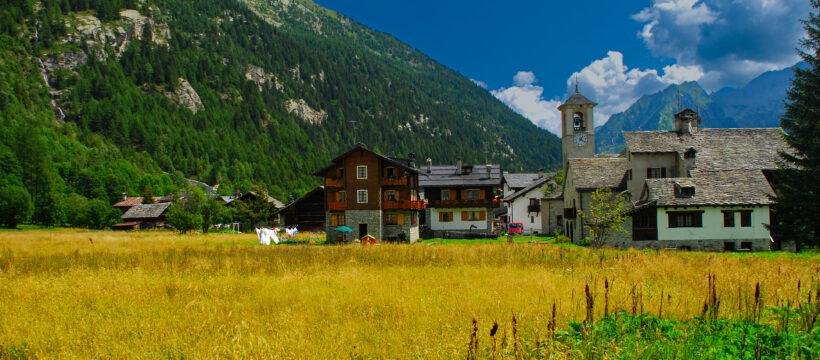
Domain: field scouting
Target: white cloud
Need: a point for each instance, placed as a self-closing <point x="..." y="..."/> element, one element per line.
<point x="608" y="82"/>
<point x="480" y="83"/>
<point x="731" y="41"/>
<point x="527" y="99"/>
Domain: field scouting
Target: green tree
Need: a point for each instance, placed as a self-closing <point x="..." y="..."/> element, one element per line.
<point x="96" y="214"/>
<point x="185" y="214"/>
<point x="148" y="195"/>
<point x="213" y="212"/>
<point x="797" y="207"/>
<point x="606" y="215"/>
<point x="258" y="211"/>
<point x="15" y="206"/>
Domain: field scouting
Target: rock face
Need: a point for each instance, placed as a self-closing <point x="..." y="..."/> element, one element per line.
<point x="303" y="111"/>
<point x="260" y="77"/>
<point x="185" y="95"/>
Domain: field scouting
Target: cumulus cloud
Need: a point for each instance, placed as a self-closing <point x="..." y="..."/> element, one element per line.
<point x="731" y="41"/>
<point x="527" y="99"/>
<point x="608" y="82"/>
<point x="614" y="86"/>
<point x="480" y="83"/>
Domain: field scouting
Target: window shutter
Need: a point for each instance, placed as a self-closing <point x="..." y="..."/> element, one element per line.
<point x="482" y="215"/>
<point x="463" y="195"/>
<point x="463" y="216"/>
<point x="333" y="220"/>
<point x="673" y="220"/>
<point x="481" y="194"/>
<point x="663" y="172"/>
<point x="401" y="219"/>
<point x="441" y="217"/>
<point x="648" y="173"/>
<point x="697" y="219"/>
<point x="452" y="194"/>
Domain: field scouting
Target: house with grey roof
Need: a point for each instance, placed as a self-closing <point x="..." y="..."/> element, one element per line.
<point x="144" y="216"/>
<point x="688" y="187"/>
<point x="460" y="199"/>
<point x="538" y="206"/>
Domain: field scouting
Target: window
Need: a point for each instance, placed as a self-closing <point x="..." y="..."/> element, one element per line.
<point x="745" y="218"/>
<point x="445" y="194"/>
<point x="690" y="154"/>
<point x="341" y="173"/>
<point x="361" y="172"/>
<point x="446" y="216"/>
<point x="629" y="173"/>
<point x="340" y="196"/>
<point x="361" y="196"/>
<point x="473" y="194"/>
<point x="686" y="192"/>
<point x="655" y="173"/>
<point x="644" y="221"/>
<point x="535" y="202"/>
<point x="532" y="219"/>
<point x="729" y="246"/>
<point x="472" y="216"/>
<point x="578" y="122"/>
<point x="394" y="219"/>
<point x="746" y="245"/>
<point x="337" y="220"/>
<point x="679" y="219"/>
<point x="390" y="172"/>
<point x="728" y="218"/>
<point x="390" y="195"/>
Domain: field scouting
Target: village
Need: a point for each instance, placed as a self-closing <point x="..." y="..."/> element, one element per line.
<point x="690" y="188"/>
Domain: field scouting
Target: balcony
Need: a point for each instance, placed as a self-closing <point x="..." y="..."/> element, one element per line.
<point x="493" y="203"/>
<point x="534" y="208"/>
<point x="570" y="213"/>
<point x="403" y="205"/>
<point x="334" y="182"/>
<point x="400" y="181"/>
<point x="336" y="206"/>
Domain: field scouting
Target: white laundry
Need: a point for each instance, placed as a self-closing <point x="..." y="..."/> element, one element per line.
<point x="275" y="237"/>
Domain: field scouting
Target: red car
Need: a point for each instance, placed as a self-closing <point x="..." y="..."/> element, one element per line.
<point x="516" y="228"/>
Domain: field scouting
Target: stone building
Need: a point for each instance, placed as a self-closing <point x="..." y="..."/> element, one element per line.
<point x="372" y="194"/>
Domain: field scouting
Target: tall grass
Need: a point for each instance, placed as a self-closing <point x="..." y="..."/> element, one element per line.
<point x="157" y="294"/>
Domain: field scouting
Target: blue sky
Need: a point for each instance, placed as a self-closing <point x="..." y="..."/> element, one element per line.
<point x="528" y="52"/>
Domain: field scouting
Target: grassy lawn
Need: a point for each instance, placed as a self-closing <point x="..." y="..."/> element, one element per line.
<point x="80" y="294"/>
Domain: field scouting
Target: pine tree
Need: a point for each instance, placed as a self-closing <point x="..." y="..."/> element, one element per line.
<point x="797" y="208"/>
<point x="148" y="195"/>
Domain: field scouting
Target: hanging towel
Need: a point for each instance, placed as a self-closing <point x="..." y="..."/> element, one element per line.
<point x="275" y="238"/>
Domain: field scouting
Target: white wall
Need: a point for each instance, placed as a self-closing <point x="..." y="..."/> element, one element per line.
<point x="713" y="225"/>
<point x="457" y="223"/>
<point x="517" y="210"/>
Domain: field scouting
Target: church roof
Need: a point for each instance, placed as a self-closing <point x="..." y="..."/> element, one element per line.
<point x="578" y="99"/>
<point x="596" y="173"/>
<point x="712" y="188"/>
<point x="715" y="149"/>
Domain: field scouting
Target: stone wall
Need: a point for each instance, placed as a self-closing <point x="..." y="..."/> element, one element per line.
<point x="700" y="245"/>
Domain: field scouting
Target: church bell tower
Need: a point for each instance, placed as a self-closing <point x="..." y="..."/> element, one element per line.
<point x="577" y="127"/>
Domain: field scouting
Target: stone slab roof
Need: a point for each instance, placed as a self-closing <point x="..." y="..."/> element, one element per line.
<point x="534" y="186"/>
<point x="146" y="211"/>
<point x="596" y="173"/>
<point x="712" y="188"/>
<point x="450" y="176"/>
<point x="136" y="200"/>
<point x="715" y="149"/>
<point x="520" y="180"/>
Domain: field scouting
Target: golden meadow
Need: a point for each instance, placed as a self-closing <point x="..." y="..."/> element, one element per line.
<point x="77" y="294"/>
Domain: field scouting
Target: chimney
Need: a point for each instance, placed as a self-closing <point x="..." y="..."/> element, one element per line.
<point x="489" y="171"/>
<point x="412" y="157"/>
<point x="429" y="165"/>
<point x="125" y="196"/>
<point x="687" y="121"/>
<point x="458" y="165"/>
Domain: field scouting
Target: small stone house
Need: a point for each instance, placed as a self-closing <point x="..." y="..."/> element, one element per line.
<point x="145" y="216"/>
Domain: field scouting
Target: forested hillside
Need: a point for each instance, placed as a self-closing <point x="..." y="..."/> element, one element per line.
<point x="101" y="97"/>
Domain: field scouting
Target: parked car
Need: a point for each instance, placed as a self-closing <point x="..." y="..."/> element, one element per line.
<point x="516" y="228"/>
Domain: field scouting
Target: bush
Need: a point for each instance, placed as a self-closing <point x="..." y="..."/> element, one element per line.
<point x="96" y="214"/>
<point x="15" y="206"/>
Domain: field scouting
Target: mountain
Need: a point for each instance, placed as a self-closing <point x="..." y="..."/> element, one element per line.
<point x="757" y="104"/>
<point x="102" y="97"/>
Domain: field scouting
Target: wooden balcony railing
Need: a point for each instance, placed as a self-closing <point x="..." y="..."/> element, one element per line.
<point x="336" y="206"/>
<point x="534" y="208"/>
<point x="403" y="205"/>
<point x="331" y="182"/>
<point x="494" y="203"/>
<point x="394" y="181"/>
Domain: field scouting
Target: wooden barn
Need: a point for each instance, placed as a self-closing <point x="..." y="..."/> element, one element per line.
<point x="307" y="212"/>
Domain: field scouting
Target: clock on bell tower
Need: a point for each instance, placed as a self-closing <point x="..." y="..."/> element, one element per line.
<point x="577" y="127"/>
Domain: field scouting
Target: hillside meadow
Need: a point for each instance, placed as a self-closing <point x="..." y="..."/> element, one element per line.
<point x="79" y="294"/>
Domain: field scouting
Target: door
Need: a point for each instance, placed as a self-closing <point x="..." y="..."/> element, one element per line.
<point x="362" y="230"/>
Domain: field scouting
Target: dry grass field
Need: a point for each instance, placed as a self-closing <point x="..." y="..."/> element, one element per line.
<point x="77" y="294"/>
